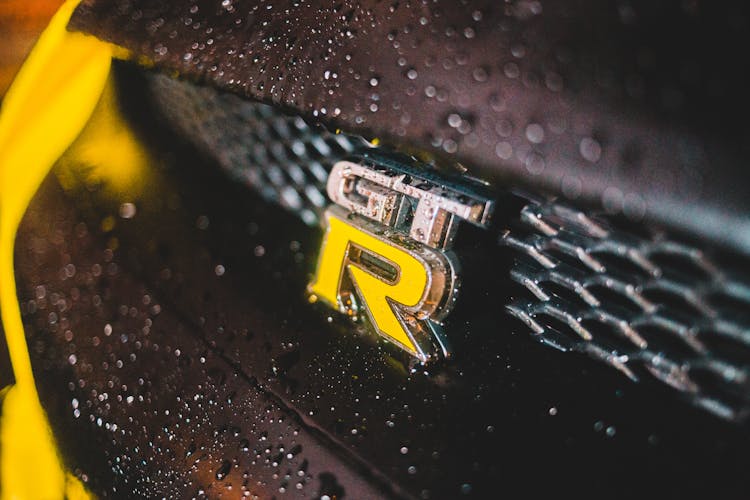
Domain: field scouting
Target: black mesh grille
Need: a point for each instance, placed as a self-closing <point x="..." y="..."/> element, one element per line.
<point x="282" y="157"/>
<point x="645" y="304"/>
<point x="636" y="299"/>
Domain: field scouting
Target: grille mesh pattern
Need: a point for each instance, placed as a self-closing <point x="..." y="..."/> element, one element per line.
<point x="647" y="305"/>
<point x="282" y="157"/>
<point x="652" y="307"/>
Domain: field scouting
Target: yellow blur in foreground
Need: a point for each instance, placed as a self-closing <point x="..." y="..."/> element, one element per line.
<point x="44" y="111"/>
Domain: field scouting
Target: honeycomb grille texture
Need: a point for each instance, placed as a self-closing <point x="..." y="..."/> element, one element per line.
<point x="654" y="308"/>
<point x="282" y="157"/>
<point x="649" y="306"/>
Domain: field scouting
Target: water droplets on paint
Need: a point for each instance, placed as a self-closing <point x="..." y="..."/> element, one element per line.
<point x="590" y="149"/>
<point x="535" y="163"/>
<point x="127" y="210"/>
<point x="535" y="133"/>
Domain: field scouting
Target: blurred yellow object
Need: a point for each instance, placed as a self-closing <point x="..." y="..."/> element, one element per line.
<point x="44" y="111"/>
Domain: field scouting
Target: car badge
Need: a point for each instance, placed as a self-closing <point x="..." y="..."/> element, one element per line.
<point x="385" y="259"/>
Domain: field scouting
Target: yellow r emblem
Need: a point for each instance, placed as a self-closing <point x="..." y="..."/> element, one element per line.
<point x="386" y="251"/>
<point x="402" y="286"/>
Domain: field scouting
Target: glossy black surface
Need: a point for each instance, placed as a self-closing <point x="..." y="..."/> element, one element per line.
<point x="204" y="268"/>
<point x="639" y="106"/>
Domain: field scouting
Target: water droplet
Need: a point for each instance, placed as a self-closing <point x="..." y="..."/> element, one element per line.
<point x="504" y="150"/>
<point x="571" y="187"/>
<point x="535" y="133"/>
<point x="590" y="149"/>
<point x="127" y="210"/>
<point x="518" y="50"/>
<point x="535" y="163"/>
<point x="480" y="74"/>
<point x="497" y="103"/>
<point x="511" y="70"/>
<point x="202" y="222"/>
<point x="450" y="146"/>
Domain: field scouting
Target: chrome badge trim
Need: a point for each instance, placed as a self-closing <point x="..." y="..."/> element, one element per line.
<point x="385" y="259"/>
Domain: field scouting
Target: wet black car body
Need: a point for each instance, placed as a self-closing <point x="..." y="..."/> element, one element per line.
<point x="174" y="346"/>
